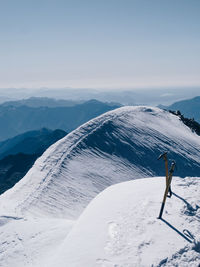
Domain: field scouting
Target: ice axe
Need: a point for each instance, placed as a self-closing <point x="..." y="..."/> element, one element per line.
<point x="167" y="188"/>
<point x="164" y="156"/>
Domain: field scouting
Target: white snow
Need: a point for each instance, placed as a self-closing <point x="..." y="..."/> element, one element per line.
<point x="75" y="169"/>
<point x="30" y="241"/>
<point x="39" y="216"/>
<point x="120" y="227"/>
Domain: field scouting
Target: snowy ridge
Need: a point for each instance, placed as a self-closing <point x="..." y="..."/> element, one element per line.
<point x="37" y="216"/>
<point x="118" y="146"/>
<point x="50" y="163"/>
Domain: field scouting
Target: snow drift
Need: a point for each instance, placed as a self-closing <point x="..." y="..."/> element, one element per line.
<point x="120" y="227"/>
<point x="118" y="146"/>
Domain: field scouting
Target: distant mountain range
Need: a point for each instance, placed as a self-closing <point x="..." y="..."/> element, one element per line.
<point x="189" y="108"/>
<point x="36" y="102"/>
<point x="126" y="96"/>
<point x="17" y="118"/>
<point x="33" y="142"/>
<point x="18" y="154"/>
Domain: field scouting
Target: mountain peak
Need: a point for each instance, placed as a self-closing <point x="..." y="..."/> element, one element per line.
<point x="117" y="146"/>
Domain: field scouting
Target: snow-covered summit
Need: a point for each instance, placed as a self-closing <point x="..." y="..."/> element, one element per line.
<point x="120" y="227"/>
<point x="118" y="146"/>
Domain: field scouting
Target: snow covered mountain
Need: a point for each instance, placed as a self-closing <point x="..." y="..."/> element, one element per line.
<point x="37" y="215"/>
<point x="118" y="146"/>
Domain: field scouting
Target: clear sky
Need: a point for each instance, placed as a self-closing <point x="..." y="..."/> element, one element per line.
<point x="99" y="43"/>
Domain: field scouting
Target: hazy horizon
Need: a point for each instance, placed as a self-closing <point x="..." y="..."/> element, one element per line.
<point x="146" y="96"/>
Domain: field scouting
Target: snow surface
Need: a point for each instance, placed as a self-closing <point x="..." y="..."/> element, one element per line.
<point x="118" y="146"/>
<point x="119" y="228"/>
<point x="38" y="215"/>
<point x="30" y="241"/>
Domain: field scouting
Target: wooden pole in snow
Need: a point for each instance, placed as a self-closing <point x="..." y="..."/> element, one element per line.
<point x="164" y="156"/>
<point x="167" y="189"/>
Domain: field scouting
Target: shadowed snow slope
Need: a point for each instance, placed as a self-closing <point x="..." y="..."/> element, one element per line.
<point x="120" y="227"/>
<point x="118" y="146"/>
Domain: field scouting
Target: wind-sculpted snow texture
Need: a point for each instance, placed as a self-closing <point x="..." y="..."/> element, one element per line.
<point x="120" y="227"/>
<point x="37" y="215"/>
<point x="118" y="146"/>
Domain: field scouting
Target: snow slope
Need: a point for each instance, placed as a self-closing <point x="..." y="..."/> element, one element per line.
<point x="118" y="146"/>
<point x="119" y="228"/>
<point x="38" y="213"/>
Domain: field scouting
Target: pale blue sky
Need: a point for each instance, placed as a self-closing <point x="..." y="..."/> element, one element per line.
<point x="99" y="43"/>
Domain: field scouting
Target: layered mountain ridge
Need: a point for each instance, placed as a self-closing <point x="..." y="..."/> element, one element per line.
<point x="18" y="154"/>
<point x="17" y="119"/>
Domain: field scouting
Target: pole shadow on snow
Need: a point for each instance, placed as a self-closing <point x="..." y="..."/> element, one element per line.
<point x="190" y="209"/>
<point x="181" y="198"/>
<point x="176" y="230"/>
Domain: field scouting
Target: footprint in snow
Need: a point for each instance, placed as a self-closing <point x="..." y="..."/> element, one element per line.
<point x="105" y="263"/>
<point x="113" y="230"/>
<point x="113" y="243"/>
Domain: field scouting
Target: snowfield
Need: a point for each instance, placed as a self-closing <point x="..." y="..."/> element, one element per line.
<point x="119" y="228"/>
<point x="30" y="241"/>
<point x="45" y="219"/>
